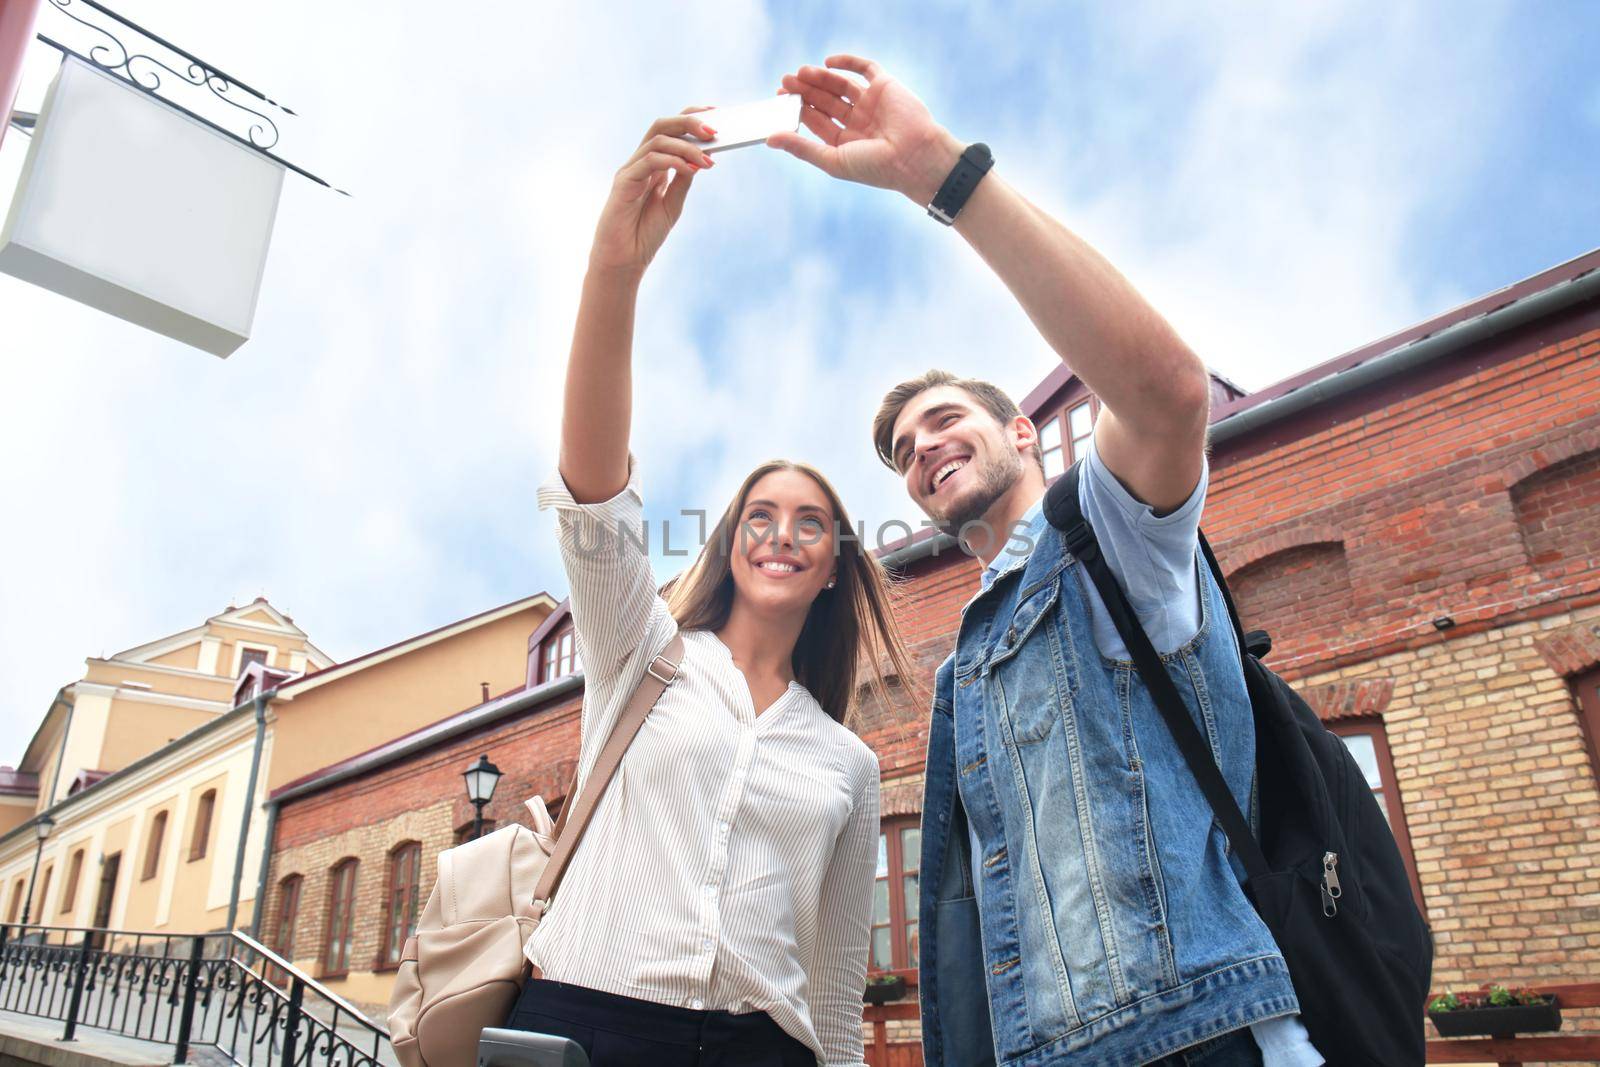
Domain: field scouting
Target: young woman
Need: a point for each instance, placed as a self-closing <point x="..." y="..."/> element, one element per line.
<point x="719" y="908"/>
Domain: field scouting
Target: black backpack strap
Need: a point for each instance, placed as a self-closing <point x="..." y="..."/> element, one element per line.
<point x="1065" y="514"/>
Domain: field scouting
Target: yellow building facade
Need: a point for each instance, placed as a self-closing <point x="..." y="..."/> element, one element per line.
<point x="153" y="769"/>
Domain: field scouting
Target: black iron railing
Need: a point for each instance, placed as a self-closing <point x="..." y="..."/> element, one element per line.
<point x="222" y="990"/>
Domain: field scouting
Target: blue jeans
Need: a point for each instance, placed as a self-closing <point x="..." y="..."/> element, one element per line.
<point x="1237" y="1048"/>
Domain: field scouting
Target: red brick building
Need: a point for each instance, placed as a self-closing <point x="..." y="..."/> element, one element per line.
<point x="1416" y="522"/>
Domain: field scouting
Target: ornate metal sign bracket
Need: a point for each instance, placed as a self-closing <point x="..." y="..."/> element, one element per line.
<point x="144" y="71"/>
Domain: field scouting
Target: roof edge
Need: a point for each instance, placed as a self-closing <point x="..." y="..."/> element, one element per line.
<point x="1413" y="350"/>
<point x="426" y="737"/>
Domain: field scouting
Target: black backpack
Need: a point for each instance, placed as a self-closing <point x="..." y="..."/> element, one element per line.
<point x="1326" y="876"/>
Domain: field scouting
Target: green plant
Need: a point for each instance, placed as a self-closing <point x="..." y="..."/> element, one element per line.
<point x="883" y="979"/>
<point x="1498" y="996"/>
<point x="1445" y="1002"/>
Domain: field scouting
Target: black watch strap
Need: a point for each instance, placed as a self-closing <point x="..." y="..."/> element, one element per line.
<point x="952" y="195"/>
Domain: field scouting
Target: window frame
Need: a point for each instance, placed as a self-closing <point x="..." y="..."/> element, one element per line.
<point x="240" y="648"/>
<point x="200" y="833"/>
<point x="406" y="884"/>
<point x="1068" y="441"/>
<point x="1067" y="445"/>
<point x="1373" y="727"/>
<point x="892" y="828"/>
<point x="559" y="649"/>
<point x="336" y="880"/>
<point x="1586" y="691"/>
<point x="152" y="847"/>
<point x="1059" y="448"/>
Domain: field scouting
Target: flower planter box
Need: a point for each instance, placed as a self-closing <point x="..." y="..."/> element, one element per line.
<point x="1498" y="1022"/>
<point x="885" y="992"/>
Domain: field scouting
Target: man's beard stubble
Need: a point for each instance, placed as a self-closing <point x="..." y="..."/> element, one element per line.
<point x="995" y="478"/>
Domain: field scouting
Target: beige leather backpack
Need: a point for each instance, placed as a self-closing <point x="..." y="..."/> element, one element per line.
<point x="465" y="967"/>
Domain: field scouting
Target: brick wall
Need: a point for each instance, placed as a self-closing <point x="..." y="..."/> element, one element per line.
<point x="422" y="799"/>
<point x="1478" y="500"/>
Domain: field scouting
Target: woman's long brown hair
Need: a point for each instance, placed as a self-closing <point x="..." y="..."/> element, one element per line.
<point x="852" y="622"/>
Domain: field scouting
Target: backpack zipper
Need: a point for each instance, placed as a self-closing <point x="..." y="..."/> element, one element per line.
<point x="1330" y="884"/>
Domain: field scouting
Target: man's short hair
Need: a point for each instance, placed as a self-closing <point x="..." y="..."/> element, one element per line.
<point x="990" y="397"/>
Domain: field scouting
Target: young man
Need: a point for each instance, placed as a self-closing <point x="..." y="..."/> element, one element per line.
<point x="1078" y="901"/>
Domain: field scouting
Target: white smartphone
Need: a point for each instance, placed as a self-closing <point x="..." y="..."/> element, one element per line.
<point x="747" y="124"/>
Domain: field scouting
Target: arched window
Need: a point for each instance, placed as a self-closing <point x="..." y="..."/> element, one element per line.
<point x="16" y="902"/>
<point x="341" y="919"/>
<point x="44" y="894"/>
<point x="288" y="914"/>
<point x="152" y="852"/>
<point x="73" y="871"/>
<point x="201" y="837"/>
<point x="400" y="922"/>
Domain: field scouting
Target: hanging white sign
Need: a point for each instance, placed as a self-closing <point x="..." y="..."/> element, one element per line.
<point x="132" y="207"/>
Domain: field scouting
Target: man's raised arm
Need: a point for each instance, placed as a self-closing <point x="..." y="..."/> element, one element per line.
<point x="1154" y="390"/>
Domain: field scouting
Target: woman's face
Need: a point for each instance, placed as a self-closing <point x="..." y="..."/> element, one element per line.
<point x="782" y="550"/>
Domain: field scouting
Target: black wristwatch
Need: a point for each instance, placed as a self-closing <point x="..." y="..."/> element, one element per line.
<point x="968" y="172"/>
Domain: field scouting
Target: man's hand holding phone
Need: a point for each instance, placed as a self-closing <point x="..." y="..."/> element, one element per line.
<point x="873" y="129"/>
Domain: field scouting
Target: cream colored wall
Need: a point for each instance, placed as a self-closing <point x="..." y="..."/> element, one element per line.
<point x="64" y="911"/>
<point x="136" y="728"/>
<point x="14" y="811"/>
<point x="13" y="899"/>
<point x="48" y="755"/>
<point x="117" y="838"/>
<point x="90" y="714"/>
<point x="117" y="673"/>
<point x="206" y="881"/>
<point x="349" y="715"/>
<point x="46" y="893"/>
<point x="187" y="657"/>
<point x="143" y="895"/>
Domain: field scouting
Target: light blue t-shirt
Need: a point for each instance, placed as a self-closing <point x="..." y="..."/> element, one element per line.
<point x="1155" y="561"/>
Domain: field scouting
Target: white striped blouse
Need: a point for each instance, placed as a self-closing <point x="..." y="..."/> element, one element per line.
<point x="730" y="865"/>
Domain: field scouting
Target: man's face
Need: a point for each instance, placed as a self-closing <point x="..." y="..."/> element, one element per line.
<point x="956" y="459"/>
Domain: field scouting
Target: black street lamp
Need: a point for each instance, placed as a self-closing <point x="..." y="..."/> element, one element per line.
<point x="481" y="778"/>
<point x="41" y="828"/>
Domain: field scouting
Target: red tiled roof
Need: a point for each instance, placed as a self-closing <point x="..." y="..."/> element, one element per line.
<point x="18" y="783"/>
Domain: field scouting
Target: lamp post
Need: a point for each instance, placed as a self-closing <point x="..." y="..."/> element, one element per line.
<point x="41" y="829"/>
<point x="481" y="778"/>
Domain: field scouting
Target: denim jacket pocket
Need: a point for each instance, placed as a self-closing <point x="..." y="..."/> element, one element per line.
<point x="1030" y="674"/>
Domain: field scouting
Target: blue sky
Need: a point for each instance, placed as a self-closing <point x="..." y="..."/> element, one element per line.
<point x="1284" y="182"/>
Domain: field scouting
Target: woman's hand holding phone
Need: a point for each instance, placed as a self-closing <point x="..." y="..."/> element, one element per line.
<point x="648" y="193"/>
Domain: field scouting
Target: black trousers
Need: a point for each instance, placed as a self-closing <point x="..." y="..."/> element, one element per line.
<point x="620" y="1031"/>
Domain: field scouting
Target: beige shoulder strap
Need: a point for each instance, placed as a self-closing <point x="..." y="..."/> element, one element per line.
<point x="657" y="676"/>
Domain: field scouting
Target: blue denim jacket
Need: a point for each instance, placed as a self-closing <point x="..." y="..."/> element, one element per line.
<point x="1114" y="927"/>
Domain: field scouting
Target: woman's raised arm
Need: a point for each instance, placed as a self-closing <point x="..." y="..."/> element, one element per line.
<point x="647" y="197"/>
